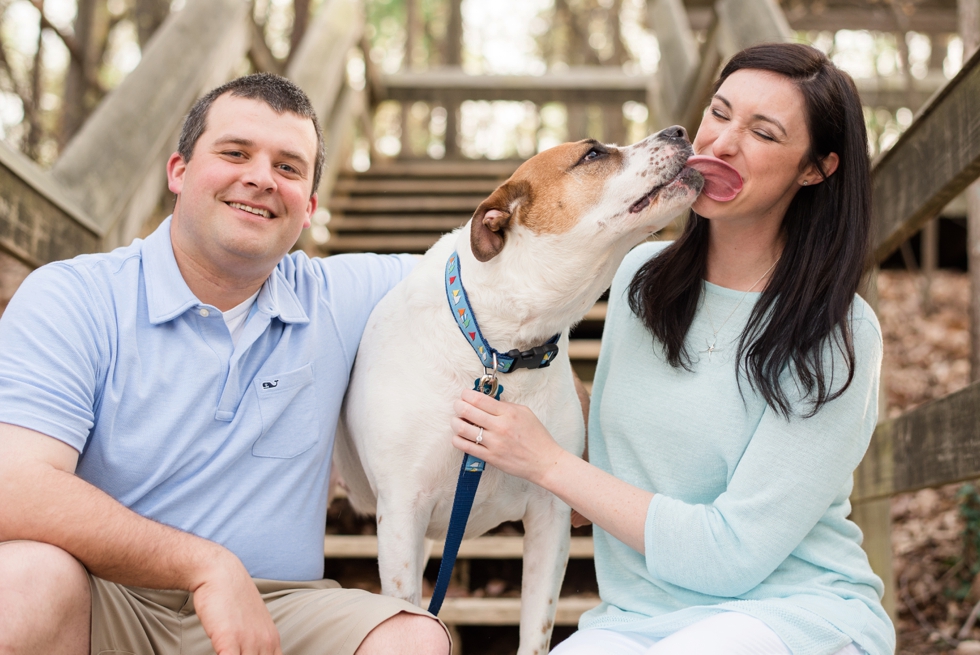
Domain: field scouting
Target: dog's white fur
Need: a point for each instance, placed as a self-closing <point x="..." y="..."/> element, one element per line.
<point x="563" y="225"/>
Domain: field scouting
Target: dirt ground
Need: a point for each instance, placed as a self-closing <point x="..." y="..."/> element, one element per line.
<point x="935" y="532"/>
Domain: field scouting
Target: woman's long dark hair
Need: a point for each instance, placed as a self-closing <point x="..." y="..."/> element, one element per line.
<point x="826" y="231"/>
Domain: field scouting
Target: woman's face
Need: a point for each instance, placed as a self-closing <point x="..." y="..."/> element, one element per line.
<point x="756" y="122"/>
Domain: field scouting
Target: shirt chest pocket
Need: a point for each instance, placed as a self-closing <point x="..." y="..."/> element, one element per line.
<point x="290" y="422"/>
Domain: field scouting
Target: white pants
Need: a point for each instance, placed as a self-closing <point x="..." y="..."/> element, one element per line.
<point x="725" y="633"/>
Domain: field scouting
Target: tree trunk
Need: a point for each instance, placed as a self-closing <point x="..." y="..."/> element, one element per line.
<point x="91" y="26"/>
<point x="301" y="19"/>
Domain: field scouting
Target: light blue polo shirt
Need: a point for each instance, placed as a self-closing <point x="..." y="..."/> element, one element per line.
<point x="115" y="356"/>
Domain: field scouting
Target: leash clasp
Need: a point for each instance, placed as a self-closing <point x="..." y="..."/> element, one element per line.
<point x="488" y="384"/>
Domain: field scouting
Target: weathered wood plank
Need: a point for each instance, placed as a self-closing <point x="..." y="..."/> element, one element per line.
<point x="583" y="84"/>
<point x="38" y="223"/>
<point x="396" y="223"/>
<point x="417" y="243"/>
<point x="875" y="521"/>
<point x="417" y="204"/>
<point x="435" y="168"/>
<point x="507" y="611"/>
<point x="747" y="22"/>
<point x="320" y="64"/>
<point x="584" y="349"/>
<point x="678" y="47"/>
<point x="937" y="443"/>
<point x="415" y="187"/>
<point x="491" y="547"/>
<point x="114" y="165"/>
<point x="933" y="161"/>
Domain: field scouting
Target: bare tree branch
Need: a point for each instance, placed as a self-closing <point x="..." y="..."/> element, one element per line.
<point x="66" y="38"/>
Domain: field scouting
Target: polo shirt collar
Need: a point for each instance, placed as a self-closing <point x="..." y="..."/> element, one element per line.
<point x="168" y="296"/>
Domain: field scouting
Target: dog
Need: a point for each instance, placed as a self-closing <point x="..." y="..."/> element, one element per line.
<point x="534" y="258"/>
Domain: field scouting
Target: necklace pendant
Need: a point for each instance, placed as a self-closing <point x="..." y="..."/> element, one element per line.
<point x="711" y="348"/>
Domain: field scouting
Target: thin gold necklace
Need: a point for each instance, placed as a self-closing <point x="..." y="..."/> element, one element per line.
<point x="714" y="337"/>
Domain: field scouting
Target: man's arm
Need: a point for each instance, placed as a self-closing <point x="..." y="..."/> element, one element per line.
<point x="44" y="501"/>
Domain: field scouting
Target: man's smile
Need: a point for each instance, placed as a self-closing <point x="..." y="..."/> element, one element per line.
<point x="258" y="211"/>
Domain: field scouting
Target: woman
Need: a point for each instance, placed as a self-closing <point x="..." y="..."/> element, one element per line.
<point x="722" y="448"/>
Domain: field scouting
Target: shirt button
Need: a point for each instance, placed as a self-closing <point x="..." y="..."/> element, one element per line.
<point x="204" y="312"/>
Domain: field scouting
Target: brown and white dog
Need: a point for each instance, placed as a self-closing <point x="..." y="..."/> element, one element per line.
<point x="534" y="258"/>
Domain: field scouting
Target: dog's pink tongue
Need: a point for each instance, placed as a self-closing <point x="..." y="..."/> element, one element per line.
<point x="721" y="181"/>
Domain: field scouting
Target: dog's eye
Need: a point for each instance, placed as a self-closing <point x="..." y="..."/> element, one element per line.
<point x="592" y="154"/>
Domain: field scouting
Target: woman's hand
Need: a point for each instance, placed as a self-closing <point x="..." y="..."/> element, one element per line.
<point x="514" y="441"/>
<point x="512" y="438"/>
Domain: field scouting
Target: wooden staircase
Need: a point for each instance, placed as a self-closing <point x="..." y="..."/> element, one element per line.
<point x="405" y="206"/>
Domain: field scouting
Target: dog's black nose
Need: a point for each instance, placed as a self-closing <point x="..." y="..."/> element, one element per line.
<point x="674" y="132"/>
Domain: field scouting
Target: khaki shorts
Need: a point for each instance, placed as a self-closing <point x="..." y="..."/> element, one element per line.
<point x="314" y="618"/>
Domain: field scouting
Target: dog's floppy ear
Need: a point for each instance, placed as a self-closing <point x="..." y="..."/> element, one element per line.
<point x="492" y="218"/>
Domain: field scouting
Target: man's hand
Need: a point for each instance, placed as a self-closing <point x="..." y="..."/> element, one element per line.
<point x="44" y="501"/>
<point x="232" y="612"/>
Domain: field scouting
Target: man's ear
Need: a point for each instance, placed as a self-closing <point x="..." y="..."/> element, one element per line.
<point x="176" y="166"/>
<point x="488" y="227"/>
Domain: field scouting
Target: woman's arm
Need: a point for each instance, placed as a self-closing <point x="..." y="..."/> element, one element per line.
<point x="515" y="441"/>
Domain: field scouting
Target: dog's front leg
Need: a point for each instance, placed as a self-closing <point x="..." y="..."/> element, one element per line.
<point x="547" y="526"/>
<point x="401" y="544"/>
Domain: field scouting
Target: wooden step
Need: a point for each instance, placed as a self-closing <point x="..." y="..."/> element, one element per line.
<point x="457" y="168"/>
<point x="397" y="223"/>
<point x="382" y="243"/>
<point x="492" y="547"/>
<point x="507" y="611"/>
<point x="584" y="349"/>
<point x="354" y="186"/>
<point x="385" y="203"/>
<point x="598" y="312"/>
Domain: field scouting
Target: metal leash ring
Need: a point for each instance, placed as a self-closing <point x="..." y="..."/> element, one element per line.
<point x="489" y="383"/>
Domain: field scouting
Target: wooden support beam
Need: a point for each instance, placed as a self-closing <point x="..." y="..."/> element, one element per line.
<point x="878" y="18"/>
<point x="319" y="66"/>
<point x="593" y="84"/>
<point x="935" y="444"/>
<point x="678" y="51"/>
<point x="748" y="22"/>
<point x="114" y="166"/>
<point x="932" y="162"/>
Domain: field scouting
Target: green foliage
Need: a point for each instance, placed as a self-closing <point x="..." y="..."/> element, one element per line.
<point x="969" y="509"/>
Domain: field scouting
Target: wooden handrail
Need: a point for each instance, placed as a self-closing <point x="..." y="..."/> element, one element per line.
<point x="935" y="444"/>
<point x="935" y="159"/>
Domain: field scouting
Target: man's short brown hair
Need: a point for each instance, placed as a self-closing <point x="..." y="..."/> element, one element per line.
<point x="274" y="90"/>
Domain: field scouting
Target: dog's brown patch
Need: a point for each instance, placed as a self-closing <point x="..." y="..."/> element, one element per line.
<point x="566" y="184"/>
<point x="547" y="194"/>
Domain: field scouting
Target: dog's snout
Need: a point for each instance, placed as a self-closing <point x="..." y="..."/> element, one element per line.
<point x="674" y="132"/>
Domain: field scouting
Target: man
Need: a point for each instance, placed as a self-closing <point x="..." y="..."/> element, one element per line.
<point x="167" y="415"/>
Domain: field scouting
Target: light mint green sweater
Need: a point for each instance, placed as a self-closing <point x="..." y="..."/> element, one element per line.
<point x="750" y="510"/>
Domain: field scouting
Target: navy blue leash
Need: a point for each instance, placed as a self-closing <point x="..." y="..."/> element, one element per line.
<point x="472" y="467"/>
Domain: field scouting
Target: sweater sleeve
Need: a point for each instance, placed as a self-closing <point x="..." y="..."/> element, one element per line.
<point x="791" y="473"/>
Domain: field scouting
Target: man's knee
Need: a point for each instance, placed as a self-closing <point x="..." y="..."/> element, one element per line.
<point x="406" y="634"/>
<point x="44" y="596"/>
